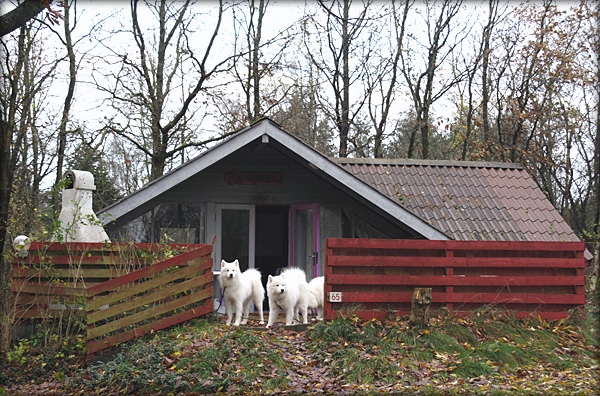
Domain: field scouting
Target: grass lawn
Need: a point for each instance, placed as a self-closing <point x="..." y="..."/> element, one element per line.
<point x="485" y="353"/>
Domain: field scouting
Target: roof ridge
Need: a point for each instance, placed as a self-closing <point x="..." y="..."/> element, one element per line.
<point x="422" y="162"/>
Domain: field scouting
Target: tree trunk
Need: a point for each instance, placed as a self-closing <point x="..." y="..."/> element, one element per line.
<point x="596" y="246"/>
<point x="424" y="128"/>
<point x="421" y="85"/>
<point x="19" y="16"/>
<point x="485" y="88"/>
<point x="7" y="165"/>
<point x="412" y="142"/>
<point x="400" y="25"/>
<point x="344" y="126"/>
<point x="5" y="265"/>
<point x="419" y="310"/>
<point x="62" y="131"/>
<point x="256" y="64"/>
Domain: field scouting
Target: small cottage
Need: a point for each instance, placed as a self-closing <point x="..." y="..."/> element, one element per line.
<point x="268" y="199"/>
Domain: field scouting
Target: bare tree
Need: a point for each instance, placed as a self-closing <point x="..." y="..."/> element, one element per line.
<point x="31" y="115"/>
<point x="10" y="85"/>
<point x="442" y="40"/>
<point x="251" y="73"/>
<point x="593" y="169"/>
<point x="33" y="148"/>
<point x="67" y="42"/>
<point x="596" y="262"/>
<point x="300" y="112"/>
<point x="338" y="60"/>
<point x="596" y="179"/>
<point x="472" y="127"/>
<point x="148" y="112"/>
<point x="493" y="19"/>
<point x="259" y="68"/>
<point x="24" y="76"/>
<point x="383" y="79"/>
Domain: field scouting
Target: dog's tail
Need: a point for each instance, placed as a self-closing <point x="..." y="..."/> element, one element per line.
<point x="258" y="291"/>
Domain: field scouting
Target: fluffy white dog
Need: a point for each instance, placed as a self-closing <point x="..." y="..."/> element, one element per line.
<point x="239" y="289"/>
<point x="288" y="292"/>
<point x="316" y="295"/>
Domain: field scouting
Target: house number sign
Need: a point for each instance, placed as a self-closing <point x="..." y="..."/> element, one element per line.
<point x="335" y="297"/>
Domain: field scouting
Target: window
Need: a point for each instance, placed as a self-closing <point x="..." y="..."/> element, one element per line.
<point x="168" y="222"/>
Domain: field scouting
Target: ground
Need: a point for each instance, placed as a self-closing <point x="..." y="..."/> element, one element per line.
<point x="486" y="353"/>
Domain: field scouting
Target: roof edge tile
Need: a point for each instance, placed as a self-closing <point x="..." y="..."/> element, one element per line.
<point x="421" y="162"/>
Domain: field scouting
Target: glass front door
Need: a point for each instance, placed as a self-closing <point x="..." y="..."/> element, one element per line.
<point x="235" y="235"/>
<point x="304" y="237"/>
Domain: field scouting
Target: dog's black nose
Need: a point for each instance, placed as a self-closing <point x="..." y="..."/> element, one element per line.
<point x="231" y="275"/>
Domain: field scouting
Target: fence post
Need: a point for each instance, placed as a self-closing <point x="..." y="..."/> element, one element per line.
<point x="327" y="308"/>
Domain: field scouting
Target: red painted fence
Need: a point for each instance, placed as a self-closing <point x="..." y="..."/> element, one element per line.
<point x="373" y="277"/>
<point x="121" y="291"/>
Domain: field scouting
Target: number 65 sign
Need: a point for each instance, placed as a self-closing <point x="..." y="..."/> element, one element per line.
<point x="335" y="297"/>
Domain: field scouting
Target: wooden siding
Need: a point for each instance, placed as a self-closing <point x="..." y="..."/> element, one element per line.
<point x="299" y="183"/>
<point x="377" y="277"/>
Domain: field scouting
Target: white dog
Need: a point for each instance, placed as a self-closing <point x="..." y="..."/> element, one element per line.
<point x="316" y="297"/>
<point x="239" y="289"/>
<point x="288" y="292"/>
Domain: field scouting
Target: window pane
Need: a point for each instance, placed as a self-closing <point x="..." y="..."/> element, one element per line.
<point x="179" y="223"/>
<point x="235" y="226"/>
<point x="168" y="222"/>
<point x="137" y="230"/>
<point x="303" y="249"/>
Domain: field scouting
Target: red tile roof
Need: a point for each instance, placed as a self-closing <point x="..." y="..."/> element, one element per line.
<point x="467" y="200"/>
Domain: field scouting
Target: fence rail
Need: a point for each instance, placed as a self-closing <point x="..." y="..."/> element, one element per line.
<point x="151" y="298"/>
<point x="122" y="291"/>
<point x="374" y="277"/>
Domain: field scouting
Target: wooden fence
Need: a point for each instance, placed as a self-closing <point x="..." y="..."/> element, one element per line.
<point x="121" y="291"/>
<point x="373" y="277"/>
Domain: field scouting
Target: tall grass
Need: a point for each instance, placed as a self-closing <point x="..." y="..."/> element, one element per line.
<point x="482" y="345"/>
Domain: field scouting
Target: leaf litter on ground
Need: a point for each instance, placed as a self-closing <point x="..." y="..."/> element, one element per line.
<point x="486" y="352"/>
